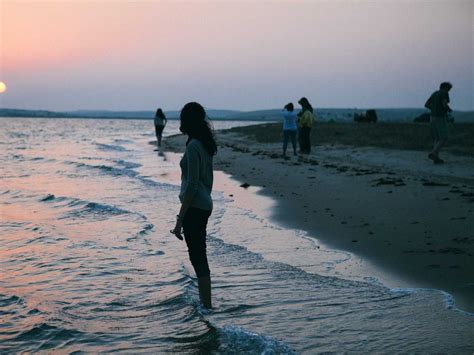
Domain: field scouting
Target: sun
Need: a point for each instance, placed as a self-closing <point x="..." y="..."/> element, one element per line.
<point x="3" y="87"/>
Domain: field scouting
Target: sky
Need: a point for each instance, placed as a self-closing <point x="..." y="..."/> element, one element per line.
<point x="243" y="55"/>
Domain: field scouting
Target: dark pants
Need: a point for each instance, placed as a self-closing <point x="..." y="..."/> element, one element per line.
<point x="287" y="134"/>
<point x="305" y="140"/>
<point x="159" y="132"/>
<point x="439" y="132"/>
<point x="194" y="228"/>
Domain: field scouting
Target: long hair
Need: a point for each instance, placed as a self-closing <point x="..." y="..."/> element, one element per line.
<point x="305" y="104"/>
<point x="159" y="113"/>
<point x="194" y="123"/>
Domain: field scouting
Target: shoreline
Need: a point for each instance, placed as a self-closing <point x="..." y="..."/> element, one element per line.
<point x="405" y="218"/>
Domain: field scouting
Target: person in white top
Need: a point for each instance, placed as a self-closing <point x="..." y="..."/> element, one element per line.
<point x="195" y="195"/>
<point x="289" y="127"/>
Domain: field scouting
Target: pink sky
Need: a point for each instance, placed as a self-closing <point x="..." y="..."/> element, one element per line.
<point x="129" y="55"/>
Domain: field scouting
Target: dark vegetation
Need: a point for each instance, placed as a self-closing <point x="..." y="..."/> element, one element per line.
<point x="407" y="136"/>
<point x="424" y="117"/>
<point x="370" y="116"/>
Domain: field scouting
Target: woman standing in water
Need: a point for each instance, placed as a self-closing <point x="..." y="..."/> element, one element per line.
<point x="306" y="122"/>
<point x="160" y="123"/>
<point x="195" y="196"/>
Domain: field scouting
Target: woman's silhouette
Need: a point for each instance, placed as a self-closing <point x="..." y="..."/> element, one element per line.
<point x="306" y="122"/>
<point x="160" y="123"/>
<point x="195" y="195"/>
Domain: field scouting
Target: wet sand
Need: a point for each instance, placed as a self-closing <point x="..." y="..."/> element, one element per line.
<point x="409" y="220"/>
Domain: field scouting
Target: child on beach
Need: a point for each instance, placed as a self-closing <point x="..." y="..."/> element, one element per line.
<point x="289" y="127"/>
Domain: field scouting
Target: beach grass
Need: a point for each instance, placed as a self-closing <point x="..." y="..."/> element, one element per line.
<point x="406" y="136"/>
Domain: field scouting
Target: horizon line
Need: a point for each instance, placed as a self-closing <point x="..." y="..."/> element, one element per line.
<point x="229" y="109"/>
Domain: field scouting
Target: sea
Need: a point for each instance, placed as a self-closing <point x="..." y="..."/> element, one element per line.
<point x="87" y="262"/>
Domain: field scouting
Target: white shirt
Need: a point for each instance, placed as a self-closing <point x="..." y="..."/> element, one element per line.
<point x="289" y="120"/>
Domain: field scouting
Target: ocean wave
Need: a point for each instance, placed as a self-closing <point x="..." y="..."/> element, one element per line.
<point x="122" y="141"/>
<point x="44" y="336"/>
<point x="147" y="228"/>
<point x="22" y="325"/>
<point x="127" y="164"/>
<point x="83" y="208"/>
<point x="107" y="169"/>
<point x="126" y="170"/>
<point x="17" y="157"/>
<point x="17" y="196"/>
<point x="237" y="340"/>
<point x="111" y="147"/>
<point x="94" y="209"/>
<point x="447" y="297"/>
<point x="102" y="217"/>
<point x="16" y="134"/>
<point x="49" y="197"/>
<point x="6" y="301"/>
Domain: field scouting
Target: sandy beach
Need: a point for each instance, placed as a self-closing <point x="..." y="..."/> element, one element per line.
<point x="408" y="222"/>
<point x="323" y="254"/>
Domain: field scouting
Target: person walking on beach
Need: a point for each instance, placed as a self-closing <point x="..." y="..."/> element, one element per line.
<point x="438" y="104"/>
<point x="160" y="123"/>
<point x="289" y="127"/>
<point x="195" y="196"/>
<point x="305" y="123"/>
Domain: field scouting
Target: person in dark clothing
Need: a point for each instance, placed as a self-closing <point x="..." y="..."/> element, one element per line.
<point x="160" y="123"/>
<point x="195" y="196"/>
<point x="305" y="124"/>
<point x="438" y="104"/>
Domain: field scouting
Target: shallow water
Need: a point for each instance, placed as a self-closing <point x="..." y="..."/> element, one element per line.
<point x="87" y="261"/>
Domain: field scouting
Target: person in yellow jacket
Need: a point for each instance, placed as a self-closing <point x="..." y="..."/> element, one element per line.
<point x="305" y="124"/>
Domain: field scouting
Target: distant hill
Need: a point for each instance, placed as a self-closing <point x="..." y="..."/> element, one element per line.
<point x="9" y="112"/>
<point x="324" y="114"/>
<point x="337" y="114"/>
<point x="464" y="116"/>
<point x="110" y="114"/>
<point x="260" y="115"/>
<point x="347" y="114"/>
<point x="212" y="113"/>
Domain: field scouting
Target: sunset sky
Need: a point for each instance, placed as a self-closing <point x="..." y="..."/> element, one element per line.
<point x="245" y="55"/>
